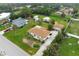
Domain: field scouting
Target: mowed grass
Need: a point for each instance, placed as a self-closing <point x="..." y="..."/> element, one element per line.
<point x="74" y="28"/>
<point x="17" y="35"/>
<point x="59" y="19"/>
<point x="69" y="47"/>
<point x="3" y="27"/>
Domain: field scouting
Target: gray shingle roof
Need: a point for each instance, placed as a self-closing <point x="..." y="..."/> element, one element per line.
<point x="19" y="22"/>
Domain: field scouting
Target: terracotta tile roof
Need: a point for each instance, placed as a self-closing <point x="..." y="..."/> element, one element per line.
<point x="40" y="31"/>
<point x="58" y="25"/>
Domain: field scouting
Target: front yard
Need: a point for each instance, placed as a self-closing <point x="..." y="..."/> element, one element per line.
<point x="69" y="47"/>
<point x="17" y="35"/>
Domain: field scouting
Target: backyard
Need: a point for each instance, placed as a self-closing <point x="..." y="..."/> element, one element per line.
<point x="69" y="47"/>
<point x="59" y="19"/>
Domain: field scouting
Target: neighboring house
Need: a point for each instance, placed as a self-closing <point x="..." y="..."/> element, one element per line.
<point x="46" y="19"/>
<point x="36" y="18"/>
<point x="58" y="26"/>
<point x="4" y="17"/>
<point x="19" y="22"/>
<point x="28" y="6"/>
<point x="66" y="11"/>
<point x="40" y="33"/>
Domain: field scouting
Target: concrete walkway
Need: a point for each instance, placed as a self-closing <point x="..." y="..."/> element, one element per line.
<point x="75" y="19"/>
<point x="46" y="44"/>
<point x="72" y="35"/>
<point x="1" y="32"/>
<point x="10" y="49"/>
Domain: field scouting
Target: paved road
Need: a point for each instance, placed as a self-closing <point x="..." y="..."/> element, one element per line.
<point x="46" y="44"/>
<point x="10" y="49"/>
<point x="72" y="35"/>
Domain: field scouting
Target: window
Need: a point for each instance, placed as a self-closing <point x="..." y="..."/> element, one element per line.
<point x="50" y="34"/>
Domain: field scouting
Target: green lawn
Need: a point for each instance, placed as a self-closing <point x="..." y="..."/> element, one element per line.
<point x="74" y="28"/>
<point x="69" y="47"/>
<point x="59" y="19"/>
<point x="55" y="17"/>
<point x="40" y="16"/>
<point x="17" y="35"/>
<point x="2" y="27"/>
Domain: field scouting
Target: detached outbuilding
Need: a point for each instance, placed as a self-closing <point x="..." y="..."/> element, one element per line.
<point x="36" y="18"/>
<point x="46" y="19"/>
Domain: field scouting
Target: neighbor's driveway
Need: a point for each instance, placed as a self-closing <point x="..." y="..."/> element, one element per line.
<point x="10" y="49"/>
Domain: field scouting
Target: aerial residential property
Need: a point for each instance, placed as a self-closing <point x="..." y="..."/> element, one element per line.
<point x="40" y="33"/>
<point x="39" y="29"/>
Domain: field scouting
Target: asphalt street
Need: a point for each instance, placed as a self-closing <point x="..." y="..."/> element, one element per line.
<point x="10" y="49"/>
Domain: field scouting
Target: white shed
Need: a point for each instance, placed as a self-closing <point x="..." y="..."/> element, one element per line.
<point x="46" y="19"/>
<point x="36" y="18"/>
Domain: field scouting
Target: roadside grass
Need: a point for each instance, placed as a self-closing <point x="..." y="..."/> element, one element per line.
<point x="69" y="47"/>
<point x="74" y="28"/>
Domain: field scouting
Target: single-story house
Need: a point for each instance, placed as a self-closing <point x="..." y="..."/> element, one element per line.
<point x="40" y="33"/>
<point x="36" y="18"/>
<point x="46" y="19"/>
<point x="66" y="11"/>
<point x="19" y="22"/>
<point x="4" y="17"/>
<point x="58" y="26"/>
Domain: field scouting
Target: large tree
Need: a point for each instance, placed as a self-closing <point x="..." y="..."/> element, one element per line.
<point x="52" y="50"/>
<point x="42" y="10"/>
<point x="50" y="26"/>
<point x="25" y="12"/>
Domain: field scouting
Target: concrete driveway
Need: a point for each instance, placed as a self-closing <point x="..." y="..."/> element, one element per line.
<point x="46" y="44"/>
